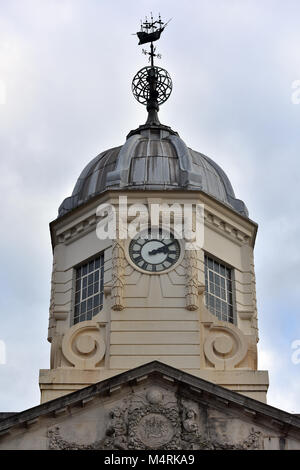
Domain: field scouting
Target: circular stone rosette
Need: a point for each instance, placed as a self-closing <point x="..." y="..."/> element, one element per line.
<point x="154" y="427"/>
<point x="155" y="430"/>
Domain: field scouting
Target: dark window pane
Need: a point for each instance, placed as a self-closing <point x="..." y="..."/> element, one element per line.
<point x="83" y="307"/>
<point x="84" y="282"/>
<point x="90" y="304"/>
<point x="84" y="294"/>
<point x="78" y="273"/>
<point x="91" y="266"/>
<point x="216" y="267"/>
<point x="95" y="311"/>
<point x="89" y="315"/>
<point x="96" y="276"/>
<point x="90" y="290"/>
<point x="78" y="284"/>
<point x="97" y="263"/>
<point x="77" y="298"/>
<point x="76" y="311"/>
<point x="84" y="269"/>
<point x="96" y="288"/>
<point x="90" y="279"/>
<point x="96" y="300"/>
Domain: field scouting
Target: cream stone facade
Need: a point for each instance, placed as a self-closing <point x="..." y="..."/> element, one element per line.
<point x="148" y="317"/>
<point x="151" y="407"/>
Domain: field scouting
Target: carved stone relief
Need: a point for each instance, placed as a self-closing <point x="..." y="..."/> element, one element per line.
<point x="225" y="347"/>
<point x="117" y="288"/>
<point x="192" y="283"/>
<point x="83" y="345"/>
<point x="156" y="419"/>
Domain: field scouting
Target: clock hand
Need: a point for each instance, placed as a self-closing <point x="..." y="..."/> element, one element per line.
<point x="161" y="249"/>
<point x="157" y="250"/>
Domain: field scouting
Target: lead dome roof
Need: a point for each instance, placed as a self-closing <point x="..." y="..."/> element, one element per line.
<point x="153" y="158"/>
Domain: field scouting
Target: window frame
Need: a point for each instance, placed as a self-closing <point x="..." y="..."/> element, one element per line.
<point x="74" y="272"/>
<point x="233" y="287"/>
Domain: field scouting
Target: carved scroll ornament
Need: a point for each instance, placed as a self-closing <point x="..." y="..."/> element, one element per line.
<point x="83" y="345"/>
<point x="225" y="347"/>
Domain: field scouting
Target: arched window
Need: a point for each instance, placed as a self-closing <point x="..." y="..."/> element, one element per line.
<point x="219" y="289"/>
<point x="89" y="289"/>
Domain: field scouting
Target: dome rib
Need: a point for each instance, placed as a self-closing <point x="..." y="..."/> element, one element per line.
<point x="153" y="159"/>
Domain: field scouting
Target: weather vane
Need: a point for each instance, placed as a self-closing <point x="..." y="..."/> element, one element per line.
<point x="152" y="85"/>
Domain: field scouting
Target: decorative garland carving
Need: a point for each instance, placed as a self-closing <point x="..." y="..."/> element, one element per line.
<point x="83" y="345"/>
<point x="192" y="283"/>
<point x="155" y="422"/>
<point x="117" y="288"/>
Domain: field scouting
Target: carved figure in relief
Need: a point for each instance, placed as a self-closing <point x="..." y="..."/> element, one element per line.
<point x="189" y="423"/>
<point x="154" y="421"/>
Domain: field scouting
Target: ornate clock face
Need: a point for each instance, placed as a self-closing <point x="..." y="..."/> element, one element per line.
<point x="154" y="252"/>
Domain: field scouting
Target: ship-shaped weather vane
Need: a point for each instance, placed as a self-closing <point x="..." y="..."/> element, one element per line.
<point x="152" y="85"/>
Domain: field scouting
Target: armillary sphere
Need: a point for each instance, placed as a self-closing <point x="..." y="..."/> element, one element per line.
<point x="141" y="85"/>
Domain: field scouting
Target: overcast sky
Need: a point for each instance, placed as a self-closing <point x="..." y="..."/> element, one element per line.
<point x="65" y="95"/>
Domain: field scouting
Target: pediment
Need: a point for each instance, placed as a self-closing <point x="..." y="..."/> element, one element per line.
<point x="151" y="407"/>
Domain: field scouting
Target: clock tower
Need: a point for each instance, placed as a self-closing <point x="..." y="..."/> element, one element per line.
<point x="130" y="284"/>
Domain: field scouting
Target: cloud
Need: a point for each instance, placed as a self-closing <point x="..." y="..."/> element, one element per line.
<point x="284" y="376"/>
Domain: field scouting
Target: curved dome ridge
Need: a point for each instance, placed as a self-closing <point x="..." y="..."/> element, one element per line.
<point x="152" y="159"/>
